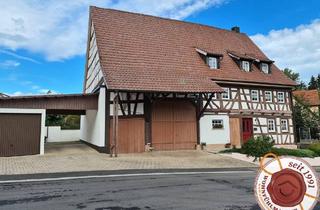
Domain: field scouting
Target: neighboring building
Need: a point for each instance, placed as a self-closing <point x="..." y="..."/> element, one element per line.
<point x="3" y="95"/>
<point x="310" y="98"/>
<point x="163" y="83"/>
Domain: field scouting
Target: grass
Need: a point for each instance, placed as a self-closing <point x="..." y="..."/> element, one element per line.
<point x="315" y="148"/>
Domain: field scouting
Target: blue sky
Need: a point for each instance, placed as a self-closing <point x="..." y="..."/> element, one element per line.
<point x="42" y="45"/>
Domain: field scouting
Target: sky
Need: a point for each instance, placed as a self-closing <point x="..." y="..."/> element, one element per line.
<point x="43" y="43"/>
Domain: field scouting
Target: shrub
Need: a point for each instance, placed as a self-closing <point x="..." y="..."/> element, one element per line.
<point x="236" y="150"/>
<point x="315" y="148"/>
<point x="294" y="152"/>
<point x="257" y="147"/>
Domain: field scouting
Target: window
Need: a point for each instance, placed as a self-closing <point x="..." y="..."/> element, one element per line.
<point x="214" y="96"/>
<point x="264" y="68"/>
<point x="217" y="124"/>
<point x="245" y="65"/>
<point x="284" y="125"/>
<point x="225" y="94"/>
<point x="254" y="95"/>
<point x="280" y="97"/>
<point x="271" y="125"/>
<point x="268" y="95"/>
<point x="212" y="62"/>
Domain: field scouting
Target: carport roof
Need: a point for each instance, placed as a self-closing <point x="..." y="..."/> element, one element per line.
<point x="52" y="102"/>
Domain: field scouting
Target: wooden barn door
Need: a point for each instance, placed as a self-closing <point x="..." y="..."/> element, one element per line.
<point x="173" y="125"/>
<point x="131" y="135"/>
<point x="247" y="129"/>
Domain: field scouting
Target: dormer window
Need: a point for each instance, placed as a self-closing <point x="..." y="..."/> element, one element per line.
<point x="264" y="68"/>
<point x="245" y="65"/>
<point x="212" y="62"/>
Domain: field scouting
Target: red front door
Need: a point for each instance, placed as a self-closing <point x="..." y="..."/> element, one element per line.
<point x="247" y="129"/>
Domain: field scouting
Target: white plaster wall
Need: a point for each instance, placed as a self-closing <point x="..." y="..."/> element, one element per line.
<point x="55" y="134"/>
<point x="42" y="112"/>
<point x="93" y="123"/>
<point x="214" y="136"/>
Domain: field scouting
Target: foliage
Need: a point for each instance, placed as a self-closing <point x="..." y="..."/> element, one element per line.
<point x="65" y="121"/>
<point x="291" y="74"/>
<point x="236" y="150"/>
<point x="54" y="120"/>
<point x="294" y="152"/>
<point x="315" y="147"/>
<point x="313" y="84"/>
<point x="257" y="147"/>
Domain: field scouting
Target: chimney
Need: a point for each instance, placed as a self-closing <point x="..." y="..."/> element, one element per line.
<point x="236" y="29"/>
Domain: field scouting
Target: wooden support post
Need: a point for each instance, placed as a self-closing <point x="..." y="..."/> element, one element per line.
<point x="115" y="125"/>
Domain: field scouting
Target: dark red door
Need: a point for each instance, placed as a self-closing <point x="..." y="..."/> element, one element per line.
<point x="247" y="129"/>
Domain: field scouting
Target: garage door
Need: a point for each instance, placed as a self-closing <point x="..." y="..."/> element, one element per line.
<point x="131" y="135"/>
<point x="174" y="125"/>
<point x="19" y="134"/>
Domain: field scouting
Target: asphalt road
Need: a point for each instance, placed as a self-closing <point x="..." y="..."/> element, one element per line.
<point x="223" y="190"/>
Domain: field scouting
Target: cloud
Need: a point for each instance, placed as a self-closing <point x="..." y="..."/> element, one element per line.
<point x="7" y="52"/>
<point x="298" y="48"/>
<point x="58" y="28"/>
<point x="9" y="64"/>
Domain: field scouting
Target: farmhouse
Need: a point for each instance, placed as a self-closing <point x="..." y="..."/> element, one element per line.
<point x="164" y="84"/>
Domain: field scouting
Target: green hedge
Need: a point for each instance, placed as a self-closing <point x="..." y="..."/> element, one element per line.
<point x="315" y="148"/>
<point x="294" y="152"/>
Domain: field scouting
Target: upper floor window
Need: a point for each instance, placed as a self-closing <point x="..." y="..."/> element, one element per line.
<point x="281" y="97"/>
<point x="225" y="94"/>
<point x="271" y="125"/>
<point x="284" y="125"/>
<point x="245" y="65"/>
<point x="255" y="95"/>
<point x="268" y="96"/>
<point x="212" y="62"/>
<point x="264" y="68"/>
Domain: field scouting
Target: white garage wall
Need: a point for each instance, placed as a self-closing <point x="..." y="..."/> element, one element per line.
<point x="217" y="135"/>
<point x="42" y="112"/>
<point x="55" y="134"/>
<point x="93" y="123"/>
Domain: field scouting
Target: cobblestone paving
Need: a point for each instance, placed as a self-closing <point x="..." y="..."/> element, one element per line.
<point x="72" y="160"/>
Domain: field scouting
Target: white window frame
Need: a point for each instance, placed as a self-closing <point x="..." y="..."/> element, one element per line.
<point x="217" y="122"/>
<point x="245" y="65"/>
<point x="265" y="68"/>
<point x="212" y="62"/>
<point x="255" y="93"/>
<point x="271" y="125"/>
<point x="226" y="94"/>
<point x="266" y="98"/>
<point x="284" y="122"/>
<point x="281" y="100"/>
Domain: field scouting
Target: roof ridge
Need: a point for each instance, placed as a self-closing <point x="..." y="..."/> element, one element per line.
<point x="169" y="19"/>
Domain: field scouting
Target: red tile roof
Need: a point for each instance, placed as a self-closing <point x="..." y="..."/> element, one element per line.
<point x="141" y="52"/>
<point x="312" y="97"/>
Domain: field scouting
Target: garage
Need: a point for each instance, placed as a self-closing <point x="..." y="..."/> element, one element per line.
<point x="20" y="134"/>
<point x="174" y="125"/>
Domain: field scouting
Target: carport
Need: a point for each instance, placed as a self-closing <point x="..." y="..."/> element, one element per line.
<point x="22" y="119"/>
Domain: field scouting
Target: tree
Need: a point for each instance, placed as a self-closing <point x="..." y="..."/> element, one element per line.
<point x="295" y="77"/>
<point x="291" y="74"/>
<point x="318" y="81"/>
<point x="313" y="84"/>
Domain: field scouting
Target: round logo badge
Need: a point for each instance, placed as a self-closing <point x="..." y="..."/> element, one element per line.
<point x="286" y="183"/>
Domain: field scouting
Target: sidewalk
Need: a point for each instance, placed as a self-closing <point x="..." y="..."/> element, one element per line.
<point x="93" y="161"/>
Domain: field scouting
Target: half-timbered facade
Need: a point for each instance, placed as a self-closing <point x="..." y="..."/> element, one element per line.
<point x="165" y="84"/>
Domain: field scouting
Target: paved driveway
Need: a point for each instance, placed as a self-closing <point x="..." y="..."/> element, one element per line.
<point x="82" y="158"/>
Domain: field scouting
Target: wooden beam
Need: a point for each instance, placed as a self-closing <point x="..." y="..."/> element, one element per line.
<point x="205" y="106"/>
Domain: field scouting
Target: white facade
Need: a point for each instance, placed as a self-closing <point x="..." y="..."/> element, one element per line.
<point x="42" y="112"/>
<point x="56" y="134"/>
<point x="211" y="135"/>
<point x="93" y="123"/>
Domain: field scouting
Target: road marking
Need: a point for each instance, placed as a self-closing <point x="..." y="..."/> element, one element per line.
<point x="120" y="175"/>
